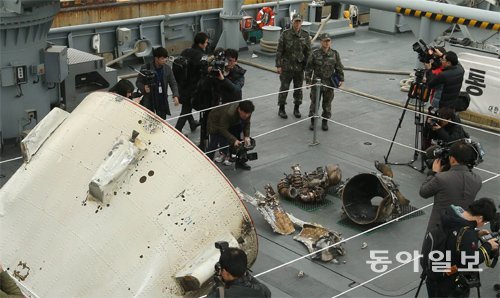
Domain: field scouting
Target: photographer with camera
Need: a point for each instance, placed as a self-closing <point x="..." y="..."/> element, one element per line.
<point x="232" y="277"/>
<point x="226" y="124"/>
<point x="450" y="78"/>
<point x="444" y="130"/>
<point x="451" y="254"/>
<point x="456" y="186"/>
<point x="190" y="77"/>
<point x="230" y="76"/>
<point x="435" y="67"/>
<point x="153" y="80"/>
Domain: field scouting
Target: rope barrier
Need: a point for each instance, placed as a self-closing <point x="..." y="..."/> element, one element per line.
<point x="342" y="241"/>
<point x="12" y="159"/>
<point x="402" y="145"/>
<point x="376" y="277"/>
<point x="410" y="110"/>
<point x="355" y="236"/>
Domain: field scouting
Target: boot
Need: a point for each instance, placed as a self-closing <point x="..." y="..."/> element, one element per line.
<point x="282" y="112"/>
<point x="324" y="125"/>
<point x="296" y="112"/>
<point x="311" y="127"/>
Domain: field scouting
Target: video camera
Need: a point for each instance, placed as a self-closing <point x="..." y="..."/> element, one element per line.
<point x="426" y="54"/>
<point x="495" y="233"/>
<point x="442" y="152"/>
<point x="241" y="152"/>
<point x="222" y="246"/>
<point x="219" y="62"/>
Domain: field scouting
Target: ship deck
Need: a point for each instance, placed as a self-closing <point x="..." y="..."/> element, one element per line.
<point x="359" y="134"/>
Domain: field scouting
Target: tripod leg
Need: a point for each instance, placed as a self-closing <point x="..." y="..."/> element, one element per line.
<point x="386" y="157"/>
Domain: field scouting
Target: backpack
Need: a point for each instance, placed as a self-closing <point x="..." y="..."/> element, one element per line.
<point x="180" y="70"/>
<point x="462" y="102"/>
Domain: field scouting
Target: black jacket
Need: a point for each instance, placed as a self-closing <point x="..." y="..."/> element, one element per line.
<point x="456" y="235"/>
<point x="451" y="78"/>
<point x="194" y="73"/>
<point x="449" y="133"/>
<point x="229" y="89"/>
<point x="157" y="105"/>
<point x="246" y="286"/>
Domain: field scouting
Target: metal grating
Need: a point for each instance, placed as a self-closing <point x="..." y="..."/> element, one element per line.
<point x="310" y="207"/>
<point x="76" y="57"/>
<point x="345" y="221"/>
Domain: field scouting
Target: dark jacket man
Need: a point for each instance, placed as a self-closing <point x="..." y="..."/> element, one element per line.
<point x="225" y="117"/>
<point x="155" y="93"/>
<point x="234" y="280"/>
<point x="458" y="237"/>
<point x="194" y="56"/>
<point x="226" y="124"/>
<point x="451" y="80"/>
<point x="457" y="186"/>
<point x="229" y="84"/>
<point x="445" y="130"/>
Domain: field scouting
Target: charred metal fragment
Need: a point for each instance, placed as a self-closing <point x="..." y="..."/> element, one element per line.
<point x="319" y="239"/>
<point x="309" y="187"/>
<point x="269" y="206"/>
<point x="372" y="197"/>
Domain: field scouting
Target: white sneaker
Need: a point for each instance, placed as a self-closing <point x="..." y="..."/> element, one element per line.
<point x="227" y="162"/>
<point x="219" y="158"/>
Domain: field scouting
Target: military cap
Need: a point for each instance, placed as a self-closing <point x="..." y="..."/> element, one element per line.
<point x="324" y="36"/>
<point x="297" y="17"/>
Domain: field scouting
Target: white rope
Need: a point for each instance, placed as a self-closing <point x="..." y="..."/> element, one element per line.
<point x="412" y="110"/>
<point x="376" y="277"/>
<point x="399" y="266"/>
<point x="232" y="102"/>
<point x="12" y="159"/>
<point x="355" y="236"/>
<point x="265" y="133"/>
<point x="342" y="241"/>
<point x="403" y="145"/>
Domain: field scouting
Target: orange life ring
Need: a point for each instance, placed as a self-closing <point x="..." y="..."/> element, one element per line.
<point x="265" y="17"/>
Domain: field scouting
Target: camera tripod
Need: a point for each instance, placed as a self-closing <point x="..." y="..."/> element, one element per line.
<point x="419" y="92"/>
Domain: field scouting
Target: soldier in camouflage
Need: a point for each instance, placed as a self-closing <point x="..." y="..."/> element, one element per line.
<point x="323" y="63"/>
<point x="294" y="47"/>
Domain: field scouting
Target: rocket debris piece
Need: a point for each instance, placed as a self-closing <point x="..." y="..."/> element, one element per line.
<point x="164" y="204"/>
<point x="316" y="237"/>
<point x="270" y="208"/>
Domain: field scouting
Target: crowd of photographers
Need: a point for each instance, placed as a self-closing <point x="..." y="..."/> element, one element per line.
<point x="201" y="82"/>
<point x="453" y="246"/>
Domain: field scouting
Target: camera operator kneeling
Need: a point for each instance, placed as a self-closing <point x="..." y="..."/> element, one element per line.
<point x="444" y="130"/>
<point x="225" y="126"/>
<point x="232" y="276"/>
<point x="458" y="185"/>
<point x="451" y="254"/>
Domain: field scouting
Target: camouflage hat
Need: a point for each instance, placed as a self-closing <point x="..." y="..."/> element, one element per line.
<point x="297" y="17"/>
<point x="324" y="36"/>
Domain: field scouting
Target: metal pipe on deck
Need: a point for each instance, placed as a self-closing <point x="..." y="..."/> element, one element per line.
<point x="448" y="10"/>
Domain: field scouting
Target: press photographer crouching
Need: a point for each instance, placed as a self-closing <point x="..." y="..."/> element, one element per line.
<point x="443" y="130"/>
<point x="452" y="180"/>
<point x="451" y="254"/>
<point x="232" y="277"/>
<point x="230" y="125"/>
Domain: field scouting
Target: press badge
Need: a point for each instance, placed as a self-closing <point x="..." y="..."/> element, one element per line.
<point x="160" y="90"/>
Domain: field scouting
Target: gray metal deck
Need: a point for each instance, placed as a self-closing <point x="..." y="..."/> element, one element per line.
<point x="355" y="152"/>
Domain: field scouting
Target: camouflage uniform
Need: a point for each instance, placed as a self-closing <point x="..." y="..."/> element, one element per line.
<point x="323" y="65"/>
<point x="291" y="56"/>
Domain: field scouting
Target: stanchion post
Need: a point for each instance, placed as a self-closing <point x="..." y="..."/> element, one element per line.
<point x="316" y="111"/>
